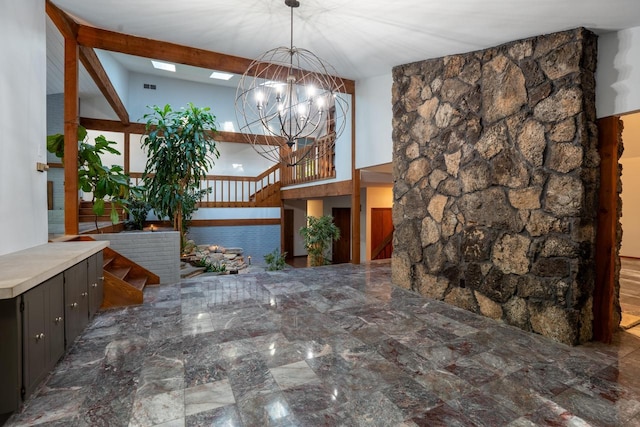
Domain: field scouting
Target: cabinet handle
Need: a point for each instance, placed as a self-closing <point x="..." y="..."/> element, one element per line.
<point x="84" y="294"/>
<point x="101" y="277"/>
<point x="39" y="336"/>
<point x="73" y="305"/>
<point x="58" y="319"/>
<point x="94" y="285"/>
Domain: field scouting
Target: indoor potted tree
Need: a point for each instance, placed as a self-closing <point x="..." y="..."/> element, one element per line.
<point x="107" y="184"/>
<point x="318" y="235"/>
<point x="180" y="150"/>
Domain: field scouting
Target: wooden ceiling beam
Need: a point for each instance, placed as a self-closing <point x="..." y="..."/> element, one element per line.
<point x="166" y="51"/>
<point x="65" y="24"/>
<point x="139" y="128"/>
<point x="340" y="188"/>
<point x="97" y="72"/>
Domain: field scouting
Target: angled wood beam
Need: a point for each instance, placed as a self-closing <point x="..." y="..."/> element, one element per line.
<point x="148" y="48"/>
<point x="65" y="24"/>
<point x="71" y="113"/>
<point x="97" y="72"/>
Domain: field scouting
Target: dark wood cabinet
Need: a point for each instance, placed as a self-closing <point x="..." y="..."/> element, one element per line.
<point x="38" y="325"/>
<point x="76" y="300"/>
<point x="43" y="332"/>
<point x="96" y="279"/>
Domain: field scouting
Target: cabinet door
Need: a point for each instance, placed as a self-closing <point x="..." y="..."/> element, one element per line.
<point x="76" y="301"/>
<point x="10" y="354"/>
<point x="55" y="320"/>
<point x="34" y="338"/>
<point x="95" y="283"/>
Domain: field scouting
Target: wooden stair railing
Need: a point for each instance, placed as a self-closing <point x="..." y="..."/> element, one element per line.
<point x="124" y="279"/>
<point x="380" y="248"/>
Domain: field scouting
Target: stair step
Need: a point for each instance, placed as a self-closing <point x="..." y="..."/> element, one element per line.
<point x="106" y="261"/>
<point x="119" y="272"/>
<point x="138" y="282"/>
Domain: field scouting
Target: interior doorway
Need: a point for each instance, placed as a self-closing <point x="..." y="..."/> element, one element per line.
<point x="341" y="248"/>
<point x="288" y="233"/>
<point x="381" y="233"/>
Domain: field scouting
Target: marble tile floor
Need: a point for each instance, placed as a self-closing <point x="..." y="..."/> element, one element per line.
<point x="327" y="346"/>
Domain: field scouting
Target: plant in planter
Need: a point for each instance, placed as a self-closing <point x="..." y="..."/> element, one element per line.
<point x="107" y="184"/>
<point x="180" y="149"/>
<point x="317" y="236"/>
<point x="275" y="260"/>
<point x="138" y="210"/>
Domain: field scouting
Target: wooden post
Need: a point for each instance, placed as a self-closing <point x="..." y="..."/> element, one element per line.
<point x="355" y="192"/>
<point x="71" y="119"/>
<point x="606" y="238"/>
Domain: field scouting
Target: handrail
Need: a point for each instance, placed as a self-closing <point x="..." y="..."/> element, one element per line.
<point x="236" y="191"/>
<point x="318" y="165"/>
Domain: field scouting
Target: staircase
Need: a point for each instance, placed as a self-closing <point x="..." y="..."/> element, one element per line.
<point x="124" y="280"/>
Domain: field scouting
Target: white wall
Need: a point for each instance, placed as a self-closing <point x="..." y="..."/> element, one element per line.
<point x="23" y="190"/>
<point x="630" y="179"/>
<point x="178" y="93"/>
<point x="618" y="73"/>
<point x="118" y="75"/>
<point x="373" y="121"/>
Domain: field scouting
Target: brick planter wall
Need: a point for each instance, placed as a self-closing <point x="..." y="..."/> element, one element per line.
<point x="496" y="178"/>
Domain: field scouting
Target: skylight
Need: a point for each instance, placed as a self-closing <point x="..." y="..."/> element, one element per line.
<point x="220" y="76"/>
<point x="164" y="66"/>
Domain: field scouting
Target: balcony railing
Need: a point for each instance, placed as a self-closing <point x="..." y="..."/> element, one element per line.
<point x="319" y="163"/>
<point x="237" y="191"/>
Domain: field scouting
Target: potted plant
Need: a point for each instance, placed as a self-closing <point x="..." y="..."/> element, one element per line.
<point x="180" y="149"/>
<point x="107" y="184"/>
<point x="318" y="235"/>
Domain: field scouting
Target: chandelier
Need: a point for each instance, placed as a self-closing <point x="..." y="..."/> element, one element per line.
<point x="288" y="104"/>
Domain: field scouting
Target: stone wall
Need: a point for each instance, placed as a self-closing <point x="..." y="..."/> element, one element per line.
<point x="496" y="178"/>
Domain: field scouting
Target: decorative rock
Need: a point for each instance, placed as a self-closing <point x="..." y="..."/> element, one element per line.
<point x="493" y="141"/>
<point x="559" y="246"/>
<point x="463" y="298"/>
<point x="531" y="142"/>
<point x="489" y="208"/>
<point x="562" y="61"/>
<point x="428" y="109"/>
<point x="565" y="157"/>
<point x="553" y="322"/>
<point x="508" y="171"/>
<point x="453" y="162"/>
<point x="551" y="267"/>
<point x="563" y="196"/>
<point x="566" y="103"/>
<point x="503" y="89"/>
<point x="511" y="254"/>
<point x="452" y="90"/>
<point x="401" y="269"/>
<point x="446" y="116"/>
<point x="449" y="223"/>
<point x="430" y="233"/>
<point x="475" y="176"/>
<point x="488" y="307"/>
<point x="436" y="177"/>
<point x="540" y="223"/>
<point x="520" y="50"/>
<point x="516" y="313"/>
<point x="413" y="151"/>
<point x="429" y="285"/>
<point x="476" y="244"/>
<point x="418" y="169"/>
<point x="525" y="198"/>
<point x="436" y="206"/>
<point x="564" y="131"/>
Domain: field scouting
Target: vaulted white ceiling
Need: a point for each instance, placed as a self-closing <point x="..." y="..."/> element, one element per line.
<point x="360" y="38"/>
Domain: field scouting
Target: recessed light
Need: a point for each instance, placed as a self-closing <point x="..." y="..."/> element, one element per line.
<point x="220" y="76"/>
<point x="164" y="66"/>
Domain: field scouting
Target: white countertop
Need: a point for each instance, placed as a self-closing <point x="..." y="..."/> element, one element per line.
<point x="23" y="270"/>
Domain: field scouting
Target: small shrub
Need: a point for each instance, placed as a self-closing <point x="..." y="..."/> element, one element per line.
<point x="275" y="260"/>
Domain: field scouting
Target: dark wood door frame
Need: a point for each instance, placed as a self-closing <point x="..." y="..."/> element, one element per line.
<point x="609" y="135"/>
